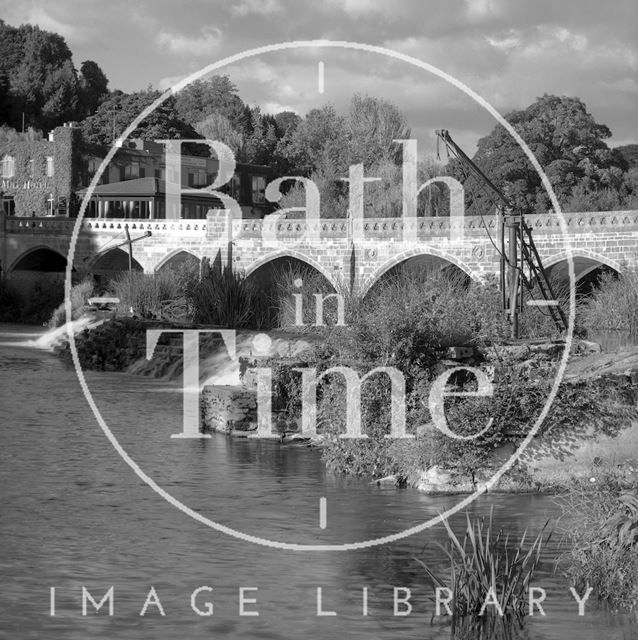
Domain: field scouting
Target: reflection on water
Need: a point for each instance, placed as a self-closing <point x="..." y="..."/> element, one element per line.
<point x="611" y="340"/>
<point x="74" y="514"/>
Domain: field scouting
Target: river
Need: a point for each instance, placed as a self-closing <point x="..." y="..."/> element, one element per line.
<point x="73" y="514"/>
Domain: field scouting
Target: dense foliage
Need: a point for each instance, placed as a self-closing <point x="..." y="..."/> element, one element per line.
<point x="119" y="110"/>
<point x="602" y="528"/>
<point x="585" y="173"/>
<point x="613" y="303"/>
<point x="39" y="82"/>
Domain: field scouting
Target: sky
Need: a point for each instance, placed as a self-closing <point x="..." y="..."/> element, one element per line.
<point x="507" y="51"/>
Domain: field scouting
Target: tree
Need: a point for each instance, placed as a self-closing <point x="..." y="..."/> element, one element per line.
<point x="39" y="82"/>
<point x="218" y="127"/>
<point x="568" y="143"/>
<point x="630" y="153"/>
<point x="215" y="95"/>
<point x="325" y="144"/>
<point x="44" y="84"/>
<point x="93" y="86"/>
<point x="286" y="121"/>
<point x="373" y="125"/>
<point x="319" y="140"/>
<point x="62" y="96"/>
<point x="117" y="112"/>
<point x="5" y="98"/>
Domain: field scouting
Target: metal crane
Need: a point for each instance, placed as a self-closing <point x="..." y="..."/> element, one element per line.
<point x="521" y="265"/>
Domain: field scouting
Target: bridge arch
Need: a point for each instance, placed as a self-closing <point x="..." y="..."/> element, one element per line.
<point x="420" y="257"/>
<point x="588" y="266"/>
<point x="290" y="254"/>
<point x="40" y="258"/>
<point x="178" y="259"/>
<point x="280" y="290"/>
<point x="111" y="261"/>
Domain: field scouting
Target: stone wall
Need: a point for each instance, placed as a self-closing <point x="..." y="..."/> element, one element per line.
<point x="229" y="409"/>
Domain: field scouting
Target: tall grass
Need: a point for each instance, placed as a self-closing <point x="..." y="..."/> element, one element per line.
<point x="601" y="525"/>
<point x="537" y="322"/>
<point x="226" y="298"/>
<point x="487" y="562"/>
<point x="159" y="296"/>
<point x="613" y="304"/>
<point x="289" y="280"/>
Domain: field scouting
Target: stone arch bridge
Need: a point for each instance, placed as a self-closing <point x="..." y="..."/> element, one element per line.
<point x="358" y="259"/>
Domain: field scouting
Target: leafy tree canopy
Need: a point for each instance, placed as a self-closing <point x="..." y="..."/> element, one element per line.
<point x="202" y="98"/>
<point x="570" y="146"/>
<point x="117" y="112"/>
<point x="93" y="87"/>
<point x="324" y="144"/>
<point x="39" y="82"/>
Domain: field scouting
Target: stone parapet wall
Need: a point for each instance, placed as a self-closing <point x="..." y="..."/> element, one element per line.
<point x="609" y="238"/>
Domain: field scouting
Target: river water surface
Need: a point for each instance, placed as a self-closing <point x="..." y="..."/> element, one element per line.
<point x="73" y="514"/>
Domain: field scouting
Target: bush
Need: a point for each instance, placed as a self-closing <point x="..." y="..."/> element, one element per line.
<point x="406" y="320"/>
<point x="161" y="295"/>
<point x="600" y="520"/>
<point x="408" y="323"/>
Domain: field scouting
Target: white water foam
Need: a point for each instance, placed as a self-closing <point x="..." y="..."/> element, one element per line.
<point x="56" y="337"/>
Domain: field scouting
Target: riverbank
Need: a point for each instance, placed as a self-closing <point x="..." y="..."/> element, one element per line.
<point x="583" y="440"/>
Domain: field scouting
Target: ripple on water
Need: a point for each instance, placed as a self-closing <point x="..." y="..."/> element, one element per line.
<point x="73" y="513"/>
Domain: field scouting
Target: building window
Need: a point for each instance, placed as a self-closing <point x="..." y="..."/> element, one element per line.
<point x="31" y="168"/>
<point x="50" y="168"/>
<point x="198" y="179"/>
<point x="8" y="205"/>
<point x="160" y="174"/>
<point x="258" y="189"/>
<point x="132" y="170"/>
<point x="8" y="166"/>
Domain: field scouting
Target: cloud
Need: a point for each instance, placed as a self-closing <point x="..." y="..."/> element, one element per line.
<point x="481" y="10"/>
<point x="505" y="43"/>
<point x="508" y="52"/>
<point x="208" y="42"/>
<point x="362" y="7"/>
<point x="256" y="7"/>
<point x="168" y="82"/>
<point x="32" y="14"/>
<point x="277" y="107"/>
